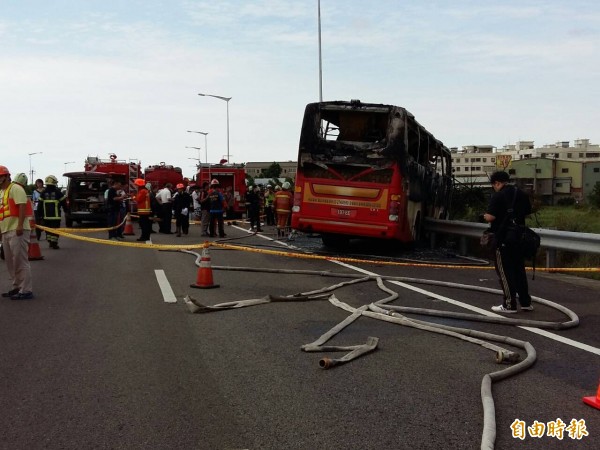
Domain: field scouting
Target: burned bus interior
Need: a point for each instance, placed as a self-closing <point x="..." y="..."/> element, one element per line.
<point x="360" y="142"/>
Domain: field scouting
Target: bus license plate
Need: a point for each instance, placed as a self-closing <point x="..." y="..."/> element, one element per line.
<point x="347" y="213"/>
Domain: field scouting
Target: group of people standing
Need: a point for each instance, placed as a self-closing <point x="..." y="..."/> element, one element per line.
<point x="162" y="206"/>
<point x="275" y="204"/>
<point x="210" y="205"/>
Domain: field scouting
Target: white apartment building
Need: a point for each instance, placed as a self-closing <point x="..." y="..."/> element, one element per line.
<point x="473" y="164"/>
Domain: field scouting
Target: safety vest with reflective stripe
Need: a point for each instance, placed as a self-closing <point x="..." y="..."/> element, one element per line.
<point x="283" y="202"/>
<point x="10" y="208"/>
<point x="143" y="202"/>
<point x="50" y="203"/>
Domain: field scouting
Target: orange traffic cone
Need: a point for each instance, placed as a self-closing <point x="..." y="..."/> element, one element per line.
<point x="204" y="279"/>
<point x="128" y="230"/>
<point x="34" y="252"/>
<point x="593" y="401"/>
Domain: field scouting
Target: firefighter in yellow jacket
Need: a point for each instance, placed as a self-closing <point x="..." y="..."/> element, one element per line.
<point x="283" y="208"/>
<point x="15" y="212"/>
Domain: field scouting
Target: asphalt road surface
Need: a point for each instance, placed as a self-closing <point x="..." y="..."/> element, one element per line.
<point x="108" y="355"/>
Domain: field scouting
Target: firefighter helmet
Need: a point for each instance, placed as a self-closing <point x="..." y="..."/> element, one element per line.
<point x="139" y="182"/>
<point x="4" y="170"/>
<point x="51" y="180"/>
<point x="20" y="178"/>
<point x="214" y="182"/>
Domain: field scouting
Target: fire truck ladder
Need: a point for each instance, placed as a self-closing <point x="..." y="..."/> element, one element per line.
<point x="134" y="173"/>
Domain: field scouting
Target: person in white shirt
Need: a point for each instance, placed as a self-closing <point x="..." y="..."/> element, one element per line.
<point x="164" y="197"/>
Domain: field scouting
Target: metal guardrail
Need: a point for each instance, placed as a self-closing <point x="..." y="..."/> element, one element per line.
<point x="551" y="240"/>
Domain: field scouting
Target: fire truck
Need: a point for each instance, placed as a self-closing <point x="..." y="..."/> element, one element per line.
<point x="160" y="174"/>
<point x="230" y="176"/>
<point x="130" y="170"/>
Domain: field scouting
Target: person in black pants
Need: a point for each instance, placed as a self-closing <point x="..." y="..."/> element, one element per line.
<point x="508" y="260"/>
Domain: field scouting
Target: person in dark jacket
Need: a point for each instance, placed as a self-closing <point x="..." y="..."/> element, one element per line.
<point x="49" y="205"/>
<point x="508" y="260"/>
<point x="217" y="205"/>
<point x="253" y="200"/>
<point x="182" y="205"/>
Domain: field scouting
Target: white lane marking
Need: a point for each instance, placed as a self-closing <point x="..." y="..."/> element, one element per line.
<point x="165" y="286"/>
<point x="547" y="334"/>
<point x="269" y="238"/>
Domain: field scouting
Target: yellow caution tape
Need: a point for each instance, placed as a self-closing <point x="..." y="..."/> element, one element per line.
<point x="206" y="244"/>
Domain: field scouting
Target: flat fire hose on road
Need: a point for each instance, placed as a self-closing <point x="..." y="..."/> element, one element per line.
<point x="380" y="310"/>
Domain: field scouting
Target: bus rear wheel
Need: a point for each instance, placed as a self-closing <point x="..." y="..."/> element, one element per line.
<point x="335" y="241"/>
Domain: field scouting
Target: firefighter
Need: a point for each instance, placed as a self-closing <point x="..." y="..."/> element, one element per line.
<point x="283" y="208"/>
<point x="144" y="209"/>
<point x="15" y="211"/>
<point x="269" y="199"/>
<point x="49" y="205"/>
<point x="217" y="204"/>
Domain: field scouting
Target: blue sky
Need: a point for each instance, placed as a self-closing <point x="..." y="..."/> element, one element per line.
<point x="89" y="77"/>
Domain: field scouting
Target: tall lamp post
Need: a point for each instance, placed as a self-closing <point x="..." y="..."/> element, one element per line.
<point x="225" y="99"/>
<point x="30" y="168"/>
<point x="205" y="143"/>
<point x="196" y="148"/>
<point x="320" y="57"/>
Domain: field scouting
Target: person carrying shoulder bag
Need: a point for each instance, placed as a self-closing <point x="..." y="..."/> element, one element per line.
<point x="508" y="202"/>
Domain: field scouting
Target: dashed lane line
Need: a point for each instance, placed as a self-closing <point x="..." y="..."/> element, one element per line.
<point x="165" y="286"/>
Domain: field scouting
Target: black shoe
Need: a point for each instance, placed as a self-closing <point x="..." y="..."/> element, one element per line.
<point x="141" y="240"/>
<point x="10" y="293"/>
<point x="259" y="230"/>
<point x="22" y="296"/>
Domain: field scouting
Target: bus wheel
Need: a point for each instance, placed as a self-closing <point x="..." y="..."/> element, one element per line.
<point x="335" y="241"/>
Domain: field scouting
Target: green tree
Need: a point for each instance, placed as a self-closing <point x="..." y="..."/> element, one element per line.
<point x="594" y="197"/>
<point x="468" y="202"/>
<point x="273" y="171"/>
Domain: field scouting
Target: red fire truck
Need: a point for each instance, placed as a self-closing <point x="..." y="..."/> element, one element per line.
<point x="230" y="177"/>
<point x="131" y="170"/>
<point x="161" y="174"/>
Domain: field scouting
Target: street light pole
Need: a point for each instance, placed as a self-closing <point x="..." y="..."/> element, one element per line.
<point x="225" y="99"/>
<point x="320" y="57"/>
<point x="68" y="162"/>
<point x="30" y="168"/>
<point x="205" y="143"/>
<point x="197" y="148"/>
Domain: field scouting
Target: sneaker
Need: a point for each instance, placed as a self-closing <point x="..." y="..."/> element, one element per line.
<point x="527" y="308"/>
<point x="121" y="238"/>
<point x="502" y="309"/>
<point x="10" y="293"/>
<point x="22" y="296"/>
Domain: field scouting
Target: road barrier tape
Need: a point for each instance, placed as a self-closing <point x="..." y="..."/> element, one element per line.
<point x="83" y="230"/>
<point x="62" y="232"/>
<point x="70" y="234"/>
<point x="388" y="263"/>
